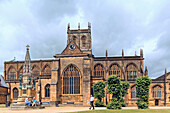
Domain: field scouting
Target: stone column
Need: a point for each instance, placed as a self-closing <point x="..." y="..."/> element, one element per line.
<point x="86" y="82"/>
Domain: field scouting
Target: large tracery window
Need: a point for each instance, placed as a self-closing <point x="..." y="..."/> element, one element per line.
<point x="133" y="92"/>
<point x="15" y="93"/>
<point x="131" y="72"/>
<point x="157" y="92"/>
<point x="47" y="90"/>
<point x="71" y="80"/>
<point x="99" y="70"/>
<point x="12" y="74"/>
<point x="35" y="71"/>
<point x="47" y="70"/>
<point x="115" y="70"/>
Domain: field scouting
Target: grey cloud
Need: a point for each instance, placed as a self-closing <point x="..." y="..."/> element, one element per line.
<point x="116" y="25"/>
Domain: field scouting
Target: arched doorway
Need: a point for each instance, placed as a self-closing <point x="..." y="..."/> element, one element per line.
<point x="156" y="102"/>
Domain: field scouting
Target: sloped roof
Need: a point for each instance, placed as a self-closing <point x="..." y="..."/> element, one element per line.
<point x="2" y="82"/>
<point x="160" y="78"/>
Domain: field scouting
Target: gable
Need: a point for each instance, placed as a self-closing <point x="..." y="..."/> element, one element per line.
<point x="71" y="48"/>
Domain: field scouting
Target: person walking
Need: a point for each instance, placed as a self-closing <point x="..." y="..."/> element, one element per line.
<point x="91" y="102"/>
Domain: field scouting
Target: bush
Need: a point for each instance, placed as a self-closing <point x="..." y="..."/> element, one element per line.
<point x="99" y="103"/>
<point x="118" y="90"/>
<point x="122" y="102"/>
<point x="142" y="89"/>
<point x="114" y="104"/>
<point x="142" y="104"/>
<point x="99" y="93"/>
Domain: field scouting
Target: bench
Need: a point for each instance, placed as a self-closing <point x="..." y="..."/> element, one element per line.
<point x="70" y="102"/>
<point x="45" y="103"/>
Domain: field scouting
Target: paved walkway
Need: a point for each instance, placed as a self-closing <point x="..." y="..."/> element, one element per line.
<point x="63" y="109"/>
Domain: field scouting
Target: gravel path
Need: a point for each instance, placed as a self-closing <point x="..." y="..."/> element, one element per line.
<point x="63" y="109"/>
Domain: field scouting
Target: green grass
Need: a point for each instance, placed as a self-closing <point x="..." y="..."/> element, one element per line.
<point x="2" y="105"/>
<point x="70" y="105"/>
<point x="128" y="111"/>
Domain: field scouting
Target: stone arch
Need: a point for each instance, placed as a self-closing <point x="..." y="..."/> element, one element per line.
<point x="99" y="70"/>
<point x="35" y="71"/>
<point x="131" y="63"/>
<point x="71" y="80"/>
<point x="75" y="39"/>
<point x="116" y="69"/>
<point x="131" y="71"/>
<point x="83" y="40"/>
<point x="47" y="90"/>
<point x="156" y="91"/>
<point x="15" y="93"/>
<point x="133" y="91"/>
<point x="46" y="70"/>
<point x="20" y="72"/>
<point x="11" y="73"/>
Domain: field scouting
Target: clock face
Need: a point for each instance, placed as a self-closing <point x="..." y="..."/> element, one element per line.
<point x="71" y="46"/>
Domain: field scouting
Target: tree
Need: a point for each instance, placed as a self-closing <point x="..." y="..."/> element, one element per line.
<point x="142" y="89"/>
<point x="99" y="93"/>
<point x="118" y="91"/>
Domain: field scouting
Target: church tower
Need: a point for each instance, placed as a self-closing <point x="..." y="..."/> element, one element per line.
<point x="82" y="38"/>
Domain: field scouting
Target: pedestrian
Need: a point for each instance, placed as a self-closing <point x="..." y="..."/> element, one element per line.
<point x="91" y="102"/>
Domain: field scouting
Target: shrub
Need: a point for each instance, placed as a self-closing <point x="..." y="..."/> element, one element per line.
<point x="142" y="104"/>
<point x="99" y="93"/>
<point x="114" y="104"/>
<point x="99" y="103"/>
<point x="142" y="89"/>
<point x="118" y="90"/>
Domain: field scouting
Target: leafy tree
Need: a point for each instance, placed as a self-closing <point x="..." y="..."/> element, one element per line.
<point x="99" y="93"/>
<point x="142" y="89"/>
<point x="118" y="91"/>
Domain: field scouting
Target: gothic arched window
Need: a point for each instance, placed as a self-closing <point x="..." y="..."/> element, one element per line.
<point x="20" y="72"/>
<point x="47" y="70"/>
<point x="133" y="92"/>
<point x="35" y="71"/>
<point x="83" y="39"/>
<point x="15" y="93"/>
<point x="99" y="70"/>
<point x="12" y="74"/>
<point x="47" y="90"/>
<point x="115" y="70"/>
<point x="131" y="72"/>
<point x="71" y="80"/>
<point x="156" y="92"/>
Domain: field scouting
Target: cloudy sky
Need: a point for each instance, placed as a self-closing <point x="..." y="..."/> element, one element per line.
<point x="116" y="25"/>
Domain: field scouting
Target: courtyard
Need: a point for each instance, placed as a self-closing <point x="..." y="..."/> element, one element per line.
<point x="86" y="109"/>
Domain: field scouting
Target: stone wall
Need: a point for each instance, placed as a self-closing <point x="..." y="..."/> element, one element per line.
<point x="3" y="94"/>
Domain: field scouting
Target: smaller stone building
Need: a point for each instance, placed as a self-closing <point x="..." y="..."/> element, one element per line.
<point x="3" y="90"/>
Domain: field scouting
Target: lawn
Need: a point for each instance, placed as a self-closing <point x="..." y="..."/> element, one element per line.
<point x="2" y="105"/>
<point x="128" y="111"/>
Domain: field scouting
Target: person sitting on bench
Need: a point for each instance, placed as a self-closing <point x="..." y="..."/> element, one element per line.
<point x="28" y="103"/>
<point x="34" y="101"/>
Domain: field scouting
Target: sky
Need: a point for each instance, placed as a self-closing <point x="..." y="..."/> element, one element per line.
<point x="116" y="24"/>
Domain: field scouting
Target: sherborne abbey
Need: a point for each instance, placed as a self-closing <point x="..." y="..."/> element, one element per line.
<point x="69" y="76"/>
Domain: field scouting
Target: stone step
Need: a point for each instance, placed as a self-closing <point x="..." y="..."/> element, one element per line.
<point x="18" y="104"/>
<point x="26" y="107"/>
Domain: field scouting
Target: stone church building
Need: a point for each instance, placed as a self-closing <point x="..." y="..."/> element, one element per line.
<point x="69" y="76"/>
